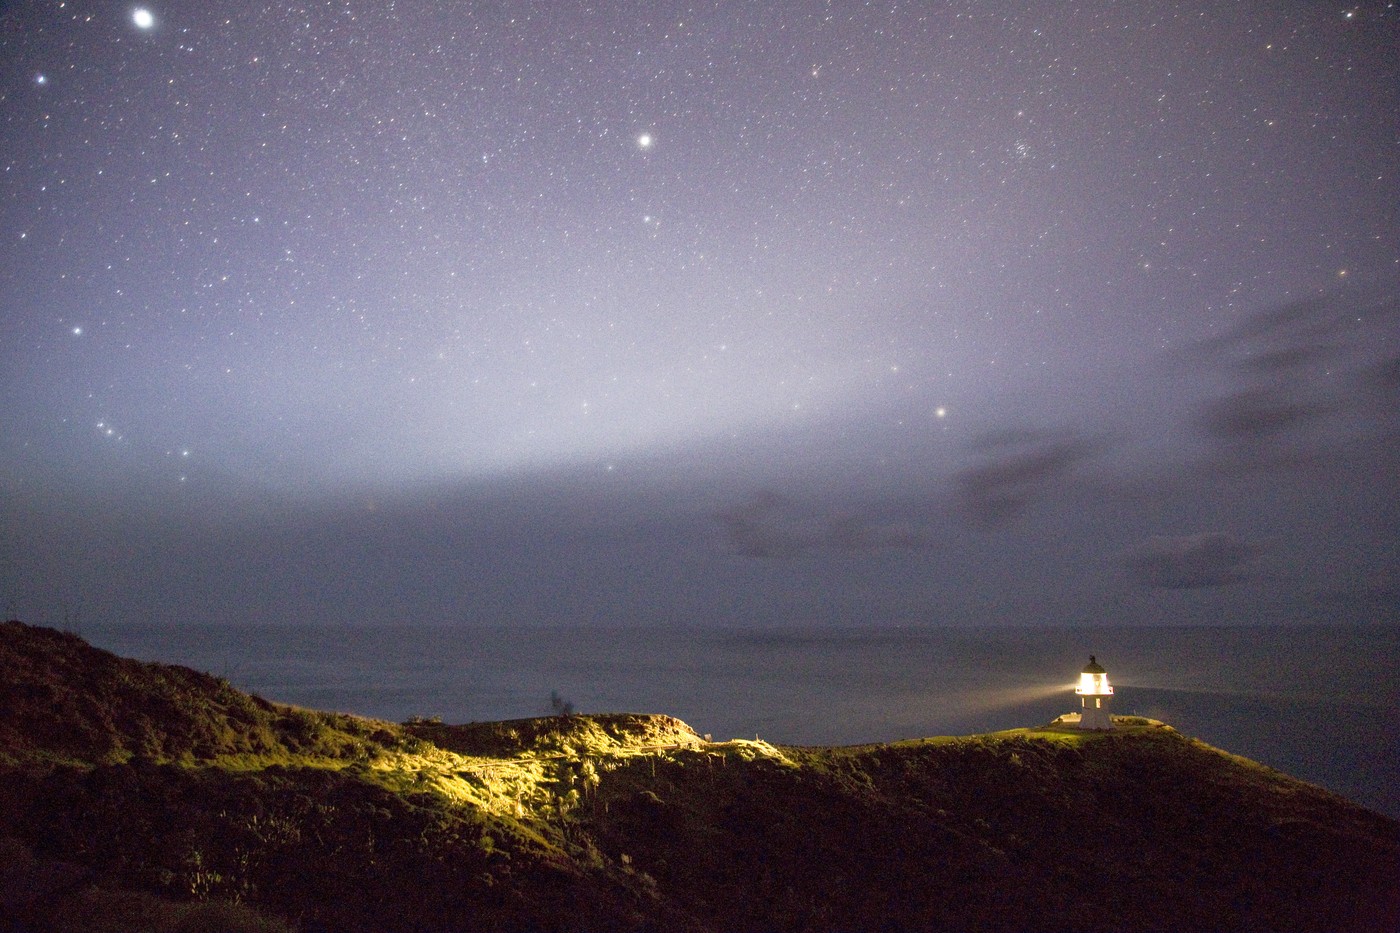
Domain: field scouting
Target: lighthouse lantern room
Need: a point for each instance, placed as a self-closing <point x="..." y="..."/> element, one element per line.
<point x="1094" y="693"/>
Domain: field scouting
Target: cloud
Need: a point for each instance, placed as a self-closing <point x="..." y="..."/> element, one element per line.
<point x="1190" y="561"/>
<point x="854" y="533"/>
<point x="1310" y="321"/>
<point x="1300" y="382"/>
<point x="1253" y="414"/>
<point x="1285" y="359"/>
<point x="770" y="525"/>
<point x="1019" y="466"/>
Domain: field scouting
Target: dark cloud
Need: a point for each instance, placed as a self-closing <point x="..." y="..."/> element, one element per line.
<point x="854" y="533"/>
<point x="1280" y="337"/>
<point x="1018" y="467"/>
<point x="1299" y="341"/>
<point x="770" y="525"/>
<point x="1190" y="561"/>
<point x="1253" y="414"/>
<point x="1286" y="359"/>
<point x="1302" y="381"/>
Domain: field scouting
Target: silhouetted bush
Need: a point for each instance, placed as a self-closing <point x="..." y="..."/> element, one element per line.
<point x="560" y="706"/>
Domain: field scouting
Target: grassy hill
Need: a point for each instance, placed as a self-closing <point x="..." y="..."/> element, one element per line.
<point x="140" y="796"/>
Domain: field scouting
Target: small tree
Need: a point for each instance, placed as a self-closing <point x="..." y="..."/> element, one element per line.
<point x="559" y="705"/>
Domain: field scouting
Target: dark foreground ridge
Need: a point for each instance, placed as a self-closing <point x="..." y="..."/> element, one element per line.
<point x="141" y="796"/>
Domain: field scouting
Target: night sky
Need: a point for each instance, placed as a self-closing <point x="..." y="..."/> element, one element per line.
<point x="737" y="314"/>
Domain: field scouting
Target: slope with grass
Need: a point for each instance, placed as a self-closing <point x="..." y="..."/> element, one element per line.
<point x="142" y="796"/>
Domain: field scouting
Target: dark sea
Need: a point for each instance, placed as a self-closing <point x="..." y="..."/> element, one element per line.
<point x="1321" y="703"/>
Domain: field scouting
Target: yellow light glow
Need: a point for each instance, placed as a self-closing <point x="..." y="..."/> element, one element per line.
<point x="1094" y="685"/>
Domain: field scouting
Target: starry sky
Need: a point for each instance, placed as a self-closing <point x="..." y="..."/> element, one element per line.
<point x="735" y="314"/>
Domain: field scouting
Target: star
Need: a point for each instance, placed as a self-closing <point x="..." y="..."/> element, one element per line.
<point x="143" y="18"/>
<point x="645" y="141"/>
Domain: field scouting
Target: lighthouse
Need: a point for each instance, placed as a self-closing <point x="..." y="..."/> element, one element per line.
<point x="1094" y="693"/>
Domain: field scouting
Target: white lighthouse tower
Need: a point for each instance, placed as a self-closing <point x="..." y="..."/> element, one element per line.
<point x="1094" y="693"/>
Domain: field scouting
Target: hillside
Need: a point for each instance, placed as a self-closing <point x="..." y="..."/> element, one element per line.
<point x="144" y="796"/>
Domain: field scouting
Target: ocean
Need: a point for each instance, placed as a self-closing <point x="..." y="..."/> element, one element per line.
<point x="1321" y="703"/>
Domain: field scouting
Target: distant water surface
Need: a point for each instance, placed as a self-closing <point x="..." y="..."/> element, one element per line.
<point x="1322" y="703"/>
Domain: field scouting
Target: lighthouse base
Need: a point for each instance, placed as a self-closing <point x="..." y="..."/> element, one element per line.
<point x="1095" y="717"/>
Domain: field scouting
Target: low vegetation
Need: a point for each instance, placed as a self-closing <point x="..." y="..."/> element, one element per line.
<point x="139" y="796"/>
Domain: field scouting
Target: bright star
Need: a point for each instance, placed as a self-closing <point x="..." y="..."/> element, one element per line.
<point x="644" y="141"/>
<point x="143" y="18"/>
